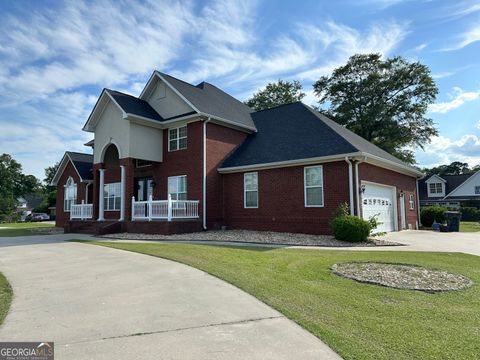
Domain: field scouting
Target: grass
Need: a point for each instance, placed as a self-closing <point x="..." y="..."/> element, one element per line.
<point x="359" y="321"/>
<point x="469" y="226"/>
<point x="22" y="229"/>
<point x="5" y="297"/>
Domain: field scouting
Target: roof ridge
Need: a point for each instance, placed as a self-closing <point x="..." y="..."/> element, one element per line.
<point x="77" y="152"/>
<point x="122" y="93"/>
<point x="173" y="77"/>
<point x="278" y="106"/>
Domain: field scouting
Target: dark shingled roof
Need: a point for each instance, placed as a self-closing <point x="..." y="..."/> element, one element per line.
<point x="453" y="181"/>
<point x="213" y="101"/>
<point x="83" y="163"/>
<point x="132" y="105"/>
<point x="296" y="131"/>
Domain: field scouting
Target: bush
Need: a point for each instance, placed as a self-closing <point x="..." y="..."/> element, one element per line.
<point x="470" y="214"/>
<point x="350" y="228"/>
<point x="429" y="214"/>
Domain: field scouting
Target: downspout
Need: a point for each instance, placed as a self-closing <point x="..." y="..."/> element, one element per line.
<point x="350" y="185"/>
<point x="358" y="184"/>
<point x="204" y="189"/>
<point x="417" y="195"/>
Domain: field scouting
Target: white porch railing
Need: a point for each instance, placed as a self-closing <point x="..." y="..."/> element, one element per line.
<point x="164" y="209"/>
<point x="81" y="211"/>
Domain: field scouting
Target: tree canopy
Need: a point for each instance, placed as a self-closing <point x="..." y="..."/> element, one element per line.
<point x="275" y="94"/>
<point x="384" y="101"/>
<point x="13" y="184"/>
<point x="455" y="168"/>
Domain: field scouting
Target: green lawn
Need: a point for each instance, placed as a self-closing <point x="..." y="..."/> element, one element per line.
<point x="5" y="297"/>
<point x="21" y="229"/>
<point x="358" y="321"/>
<point x="469" y="226"/>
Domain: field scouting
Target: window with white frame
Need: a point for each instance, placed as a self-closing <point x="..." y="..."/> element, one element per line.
<point x="112" y="194"/>
<point x="313" y="184"/>
<point x="70" y="194"/>
<point x="177" y="187"/>
<point x="250" y="190"/>
<point x="411" y="201"/>
<point x="477" y="190"/>
<point x="177" y="138"/>
<point x="435" y="188"/>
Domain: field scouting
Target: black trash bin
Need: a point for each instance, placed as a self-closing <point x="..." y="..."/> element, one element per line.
<point x="453" y="220"/>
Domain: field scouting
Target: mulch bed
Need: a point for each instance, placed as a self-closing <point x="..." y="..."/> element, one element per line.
<point x="402" y="276"/>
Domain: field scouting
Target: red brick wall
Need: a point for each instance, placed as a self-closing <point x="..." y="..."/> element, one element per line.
<point x="221" y="141"/>
<point x="403" y="182"/>
<point x="63" y="216"/>
<point x="281" y="200"/>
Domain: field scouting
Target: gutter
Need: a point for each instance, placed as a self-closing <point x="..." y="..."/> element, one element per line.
<point x="418" y="207"/>
<point x="357" y="183"/>
<point x="204" y="186"/>
<point x="350" y="184"/>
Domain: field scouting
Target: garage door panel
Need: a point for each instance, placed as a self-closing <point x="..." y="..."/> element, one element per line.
<point x="378" y="200"/>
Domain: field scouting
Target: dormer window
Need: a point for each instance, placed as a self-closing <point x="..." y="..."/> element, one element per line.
<point x="436" y="188"/>
<point x="477" y="190"/>
<point x="177" y="138"/>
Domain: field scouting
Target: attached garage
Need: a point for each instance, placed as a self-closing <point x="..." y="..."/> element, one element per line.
<point x="379" y="200"/>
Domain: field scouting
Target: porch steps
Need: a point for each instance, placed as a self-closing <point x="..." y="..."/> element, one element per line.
<point x="93" y="227"/>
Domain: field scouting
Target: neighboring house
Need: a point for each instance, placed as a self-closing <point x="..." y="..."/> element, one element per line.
<point x="450" y="190"/>
<point x="183" y="158"/>
<point x="26" y="204"/>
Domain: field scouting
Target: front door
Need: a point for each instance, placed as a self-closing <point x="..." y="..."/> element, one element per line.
<point x="144" y="188"/>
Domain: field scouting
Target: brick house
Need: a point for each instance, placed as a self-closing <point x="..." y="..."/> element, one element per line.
<point x="182" y="158"/>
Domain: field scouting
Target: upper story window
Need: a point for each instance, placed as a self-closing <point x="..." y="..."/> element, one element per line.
<point x="435" y="189"/>
<point x="313" y="186"/>
<point x="250" y="190"/>
<point x="69" y="195"/>
<point x="477" y="190"/>
<point x="177" y="138"/>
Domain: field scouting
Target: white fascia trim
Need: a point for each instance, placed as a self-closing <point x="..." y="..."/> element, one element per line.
<point x="459" y="186"/>
<point x="437" y="177"/>
<point x="393" y="165"/>
<point x="278" y="164"/>
<point x="87" y="126"/>
<point x="229" y="122"/>
<point x="61" y="169"/>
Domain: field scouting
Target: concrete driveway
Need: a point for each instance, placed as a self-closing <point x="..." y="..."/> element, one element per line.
<point x="102" y="303"/>
<point x="422" y="240"/>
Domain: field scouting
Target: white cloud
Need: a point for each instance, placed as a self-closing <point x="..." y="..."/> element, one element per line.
<point x="470" y="36"/>
<point x="478" y="125"/>
<point x="443" y="74"/>
<point x="443" y="150"/>
<point x="458" y="99"/>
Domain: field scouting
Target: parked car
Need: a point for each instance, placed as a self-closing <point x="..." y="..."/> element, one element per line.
<point x="40" y="217"/>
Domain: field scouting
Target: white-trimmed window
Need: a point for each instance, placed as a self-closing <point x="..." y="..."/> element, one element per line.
<point x="435" y="188"/>
<point x="177" y="187"/>
<point x="177" y="138"/>
<point x="69" y="195"/>
<point x="313" y="186"/>
<point x="477" y="190"/>
<point x="250" y="190"/>
<point x="112" y="194"/>
<point x="411" y="201"/>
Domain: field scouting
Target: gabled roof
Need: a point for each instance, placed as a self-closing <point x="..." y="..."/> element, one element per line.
<point x="133" y="105"/>
<point x="451" y="183"/>
<point x="83" y="164"/>
<point x="208" y="100"/>
<point x="297" y="132"/>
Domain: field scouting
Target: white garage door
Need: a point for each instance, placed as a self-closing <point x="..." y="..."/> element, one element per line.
<point x="379" y="200"/>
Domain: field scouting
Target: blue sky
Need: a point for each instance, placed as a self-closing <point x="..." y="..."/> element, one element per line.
<point x="55" y="57"/>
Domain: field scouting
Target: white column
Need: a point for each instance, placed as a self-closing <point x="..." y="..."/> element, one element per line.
<point x="101" y="212"/>
<point x="122" y="187"/>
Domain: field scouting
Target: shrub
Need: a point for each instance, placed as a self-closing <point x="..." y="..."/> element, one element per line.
<point x="470" y="214"/>
<point x="350" y="228"/>
<point x="429" y="214"/>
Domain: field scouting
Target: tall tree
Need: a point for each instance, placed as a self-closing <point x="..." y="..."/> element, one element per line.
<point x="384" y="101"/>
<point x="13" y="184"/>
<point x="49" y="192"/>
<point x="455" y="168"/>
<point x="275" y="94"/>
